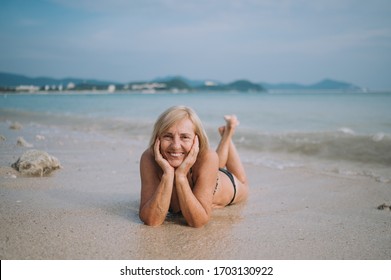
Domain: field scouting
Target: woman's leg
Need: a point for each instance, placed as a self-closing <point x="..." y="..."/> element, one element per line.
<point x="226" y="150"/>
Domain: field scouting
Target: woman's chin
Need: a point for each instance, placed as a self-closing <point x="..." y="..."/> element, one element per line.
<point x="175" y="163"/>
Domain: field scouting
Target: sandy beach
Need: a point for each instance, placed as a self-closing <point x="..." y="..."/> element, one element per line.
<point x="88" y="209"/>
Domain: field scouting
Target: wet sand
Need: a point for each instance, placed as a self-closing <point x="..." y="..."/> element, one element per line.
<point x="89" y="208"/>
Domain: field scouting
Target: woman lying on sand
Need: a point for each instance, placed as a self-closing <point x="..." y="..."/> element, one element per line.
<point x="180" y="173"/>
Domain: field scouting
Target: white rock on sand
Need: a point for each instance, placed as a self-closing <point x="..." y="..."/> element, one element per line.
<point x="23" y="143"/>
<point x="36" y="163"/>
<point x="39" y="137"/>
<point x="16" y="126"/>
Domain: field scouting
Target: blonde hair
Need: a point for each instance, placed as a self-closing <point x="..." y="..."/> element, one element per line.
<point x="177" y="113"/>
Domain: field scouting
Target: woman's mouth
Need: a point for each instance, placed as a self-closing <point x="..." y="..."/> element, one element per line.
<point x="175" y="154"/>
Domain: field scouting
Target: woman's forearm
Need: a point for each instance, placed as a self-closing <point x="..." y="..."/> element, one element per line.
<point x="192" y="210"/>
<point x="155" y="210"/>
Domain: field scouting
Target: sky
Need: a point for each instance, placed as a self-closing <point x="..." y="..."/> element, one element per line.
<point x="273" y="41"/>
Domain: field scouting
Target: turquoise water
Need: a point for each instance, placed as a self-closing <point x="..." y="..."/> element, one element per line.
<point x="334" y="127"/>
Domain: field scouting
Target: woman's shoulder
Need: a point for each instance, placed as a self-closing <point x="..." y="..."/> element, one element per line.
<point x="147" y="155"/>
<point x="209" y="157"/>
<point x="148" y="163"/>
<point x="211" y="153"/>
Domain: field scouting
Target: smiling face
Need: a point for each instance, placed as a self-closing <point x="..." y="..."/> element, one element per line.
<point x="176" y="142"/>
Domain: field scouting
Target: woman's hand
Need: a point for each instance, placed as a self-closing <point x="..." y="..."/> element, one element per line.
<point x="190" y="159"/>
<point x="163" y="163"/>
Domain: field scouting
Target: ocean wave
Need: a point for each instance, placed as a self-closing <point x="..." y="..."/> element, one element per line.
<point x="341" y="144"/>
<point x="274" y="163"/>
<point x="378" y="177"/>
<point x="337" y="145"/>
<point x="130" y="127"/>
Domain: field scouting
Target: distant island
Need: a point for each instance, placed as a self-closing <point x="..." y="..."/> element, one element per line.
<point x="175" y="84"/>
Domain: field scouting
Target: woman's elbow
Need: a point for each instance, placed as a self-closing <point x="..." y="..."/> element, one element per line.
<point x="199" y="223"/>
<point x="150" y="221"/>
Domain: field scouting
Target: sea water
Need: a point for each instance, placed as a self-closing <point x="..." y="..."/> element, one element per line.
<point x="346" y="133"/>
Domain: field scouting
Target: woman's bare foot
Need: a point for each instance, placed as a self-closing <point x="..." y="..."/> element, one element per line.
<point x="221" y="130"/>
<point x="231" y="123"/>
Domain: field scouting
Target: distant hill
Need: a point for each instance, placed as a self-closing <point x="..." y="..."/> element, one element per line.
<point x="189" y="82"/>
<point x="244" y="85"/>
<point x="178" y="84"/>
<point x="326" y="84"/>
<point x="169" y="83"/>
<point x="240" y="85"/>
<point x="13" y="80"/>
<point x="283" y="86"/>
<point x="331" y="84"/>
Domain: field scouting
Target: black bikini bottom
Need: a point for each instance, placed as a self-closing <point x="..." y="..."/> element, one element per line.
<point x="231" y="177"/>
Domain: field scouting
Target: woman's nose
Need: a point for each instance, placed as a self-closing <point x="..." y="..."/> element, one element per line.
<point x="176" y="142"/>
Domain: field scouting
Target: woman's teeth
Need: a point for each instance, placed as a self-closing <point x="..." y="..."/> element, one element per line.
<point x="175" y="154"/>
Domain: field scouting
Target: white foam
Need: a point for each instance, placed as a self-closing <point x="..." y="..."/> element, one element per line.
<point x="378" y="137"/>
<point x="274" y="163"/>
<point x="347" y="130"/>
